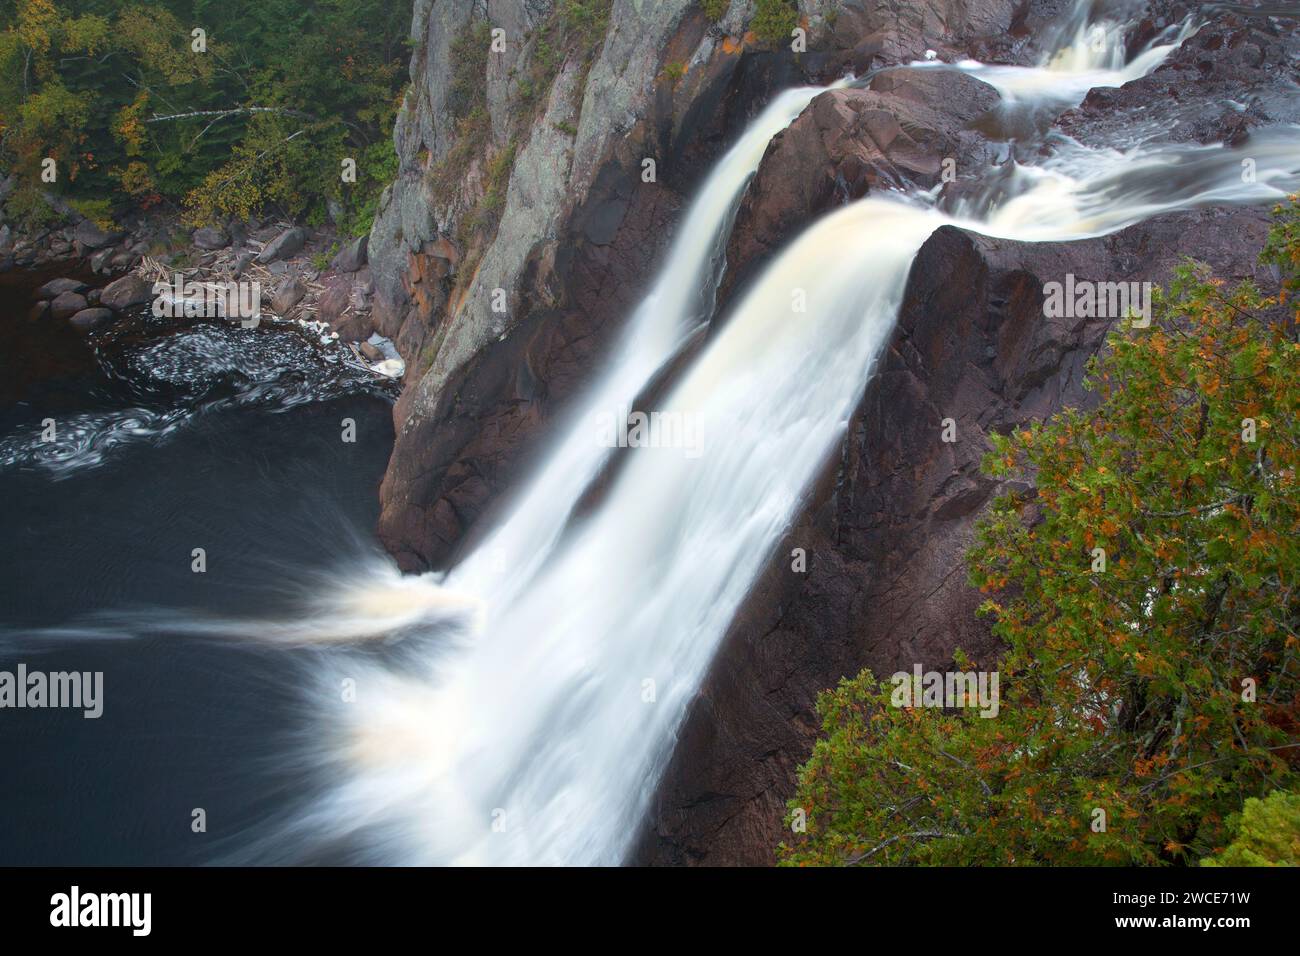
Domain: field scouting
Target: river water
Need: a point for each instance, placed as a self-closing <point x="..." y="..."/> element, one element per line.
<point x="206" y="437"/>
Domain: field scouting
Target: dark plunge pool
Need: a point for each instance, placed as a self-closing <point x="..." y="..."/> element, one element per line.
<point x="170" y="435"/>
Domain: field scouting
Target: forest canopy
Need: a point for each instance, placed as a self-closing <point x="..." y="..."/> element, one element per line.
<point x="225" y="108"/>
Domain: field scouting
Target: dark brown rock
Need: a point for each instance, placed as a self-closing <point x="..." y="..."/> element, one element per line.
<point x="334" y="298"/>
<point x="283" y="246"/>
<point x="67" y="304"/>
<point x="91" y="236"/>
<point x="211" y="238"/>
<point x="288" y="294"/>
<point x="889" y="521"/>
<point x="894" y="135"/>
<point x="57" y="286"/>
<point x="87" y="319"/>
<point x="352" y="256"/>
<point x="126" y="293"/>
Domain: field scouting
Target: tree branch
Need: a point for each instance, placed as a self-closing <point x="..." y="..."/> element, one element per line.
<point x="240" y="111"/>
<point x="918" y="834"/>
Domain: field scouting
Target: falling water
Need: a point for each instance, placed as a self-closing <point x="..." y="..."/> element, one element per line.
<point x="680" y="301"/>
<point x="1083" y="53"/>
<point x="1094" y="56"/>
<point x="541" y="737"/>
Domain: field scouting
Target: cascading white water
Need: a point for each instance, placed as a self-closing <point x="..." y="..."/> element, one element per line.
<point x="1090" y="54"/>
<point x="1081" y="192"/>
<point x="677" y="305"/>
<point x="542" y="738"/>
<point x="559" y="718"/>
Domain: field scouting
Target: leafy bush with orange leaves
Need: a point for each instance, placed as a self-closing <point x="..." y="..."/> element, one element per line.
<point x="1147" y="593"/>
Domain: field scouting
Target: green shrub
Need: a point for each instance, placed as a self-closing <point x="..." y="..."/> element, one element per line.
<point x="98" y="211"/>
<point x="774" y="20"/>
<point x="1266" y="833"/>
<point x="259" y="121"/>
<point x="1140" y="700"/>
<point x="715" y="9"/>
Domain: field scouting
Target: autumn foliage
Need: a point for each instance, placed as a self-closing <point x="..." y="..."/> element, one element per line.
<point x="1145" y="590"/>
<point x="226" y="108"/>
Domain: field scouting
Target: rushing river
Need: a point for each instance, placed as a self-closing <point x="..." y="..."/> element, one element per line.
<point x="519" y="707"/>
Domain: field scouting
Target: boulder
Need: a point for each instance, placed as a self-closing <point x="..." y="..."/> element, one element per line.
<point x="91" y="236"/>
<point x="210" y="238"/>
<point x="125" y="293"/>
<point x="284" y="245"/>
<point x="365" y="282"/>
<point x="99" y="262"/>
<point x="58" y="286"/>
<point x="67" y="304"/>
<point x="87" y="319"/>
<point x="354" y="327"/>
<point x="352" y="256"/>
<point x="894" y="134"/>
<point x="289" y="294"/>
<point x="333" y="300"/>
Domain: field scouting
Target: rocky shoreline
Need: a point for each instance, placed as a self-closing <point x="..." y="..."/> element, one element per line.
<point x="302" y="274"/>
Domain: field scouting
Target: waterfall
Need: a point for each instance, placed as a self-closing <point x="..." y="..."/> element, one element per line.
<point x="680" y="301"/>
<point x="529" y="712"/>
<point x="540" y="738"/>
<point x="1088" y="54"/>
<point x="556" y="721"/>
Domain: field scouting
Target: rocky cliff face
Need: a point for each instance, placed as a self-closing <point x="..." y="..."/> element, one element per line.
<point x="504" y="325"/>
<point x="889" y="522"/>
<point x="503" y="322"/>
<point x="533" y="197"/>
<point x="887" y="526"/>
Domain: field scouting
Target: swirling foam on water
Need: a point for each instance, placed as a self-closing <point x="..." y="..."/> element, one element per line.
<point x="159" y="375"/>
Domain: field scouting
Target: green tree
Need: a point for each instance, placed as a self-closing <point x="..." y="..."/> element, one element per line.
<point x="774" y="20"/>
<point x="1267" y="833"/>
<point x="1146" y="595"/>
<point x="259" y="116"/>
